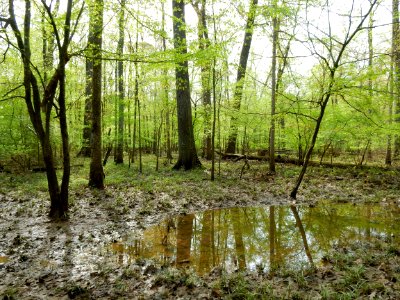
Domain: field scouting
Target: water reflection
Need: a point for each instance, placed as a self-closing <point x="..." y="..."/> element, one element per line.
<point x="260" y="237"/>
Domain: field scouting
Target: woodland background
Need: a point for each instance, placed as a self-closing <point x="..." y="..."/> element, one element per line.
<point x="305" y="79"/>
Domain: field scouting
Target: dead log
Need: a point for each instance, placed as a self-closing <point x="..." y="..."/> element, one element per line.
<point x="288" y="160"/>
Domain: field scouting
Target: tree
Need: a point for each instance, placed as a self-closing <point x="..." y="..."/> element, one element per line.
<point x="119" y="154"/>
<point x="166" y="88"/>
<point x="394" y="81"/>
<point x="241" y="73"/>
<point x="96" y="173"/>
<point x="204" y="43"/>
<point x="186" y="147"/>
<point x="34" y="102"/>
<point x="275" y="30"/>
<point x="87" y="117"/>
<point x="331" y="64"/>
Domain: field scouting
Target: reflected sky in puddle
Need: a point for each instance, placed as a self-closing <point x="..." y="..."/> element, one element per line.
<point x="259" y="237"/>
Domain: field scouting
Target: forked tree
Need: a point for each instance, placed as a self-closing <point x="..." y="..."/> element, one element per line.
<point x="44" y="98"/>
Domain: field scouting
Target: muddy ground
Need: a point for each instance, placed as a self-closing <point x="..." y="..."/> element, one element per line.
<point x="41" y="259"/>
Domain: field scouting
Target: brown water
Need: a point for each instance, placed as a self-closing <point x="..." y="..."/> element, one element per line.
<point x="260" y="237"/>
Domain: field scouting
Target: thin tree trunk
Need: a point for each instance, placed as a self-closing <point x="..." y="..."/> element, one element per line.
<point x="396" y="70"/>
<point x="275" y="28"/>
<point x="241" y="73"/>
<point x="119" y="157"/>
<point x="204" y="43"/>
<point x="137" y="101"/>
<point x="272" y="239"/>
<point x="166" y="92"/>
<point x="299" y="224"/>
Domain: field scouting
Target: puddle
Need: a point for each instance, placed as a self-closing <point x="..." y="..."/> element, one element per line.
<point x="255" y="238"/>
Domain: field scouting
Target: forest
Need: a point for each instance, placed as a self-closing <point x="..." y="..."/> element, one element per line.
<point x="199" y="149"/>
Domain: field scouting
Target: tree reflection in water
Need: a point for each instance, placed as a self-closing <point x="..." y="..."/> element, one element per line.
<point x="253" y="237"/>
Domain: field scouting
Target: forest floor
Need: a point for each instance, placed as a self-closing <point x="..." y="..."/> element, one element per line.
<point x="36" y="254"/>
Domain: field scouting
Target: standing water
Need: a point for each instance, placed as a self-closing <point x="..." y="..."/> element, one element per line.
<point x="260" y="238"/>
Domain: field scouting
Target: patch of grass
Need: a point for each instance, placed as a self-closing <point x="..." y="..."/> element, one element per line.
<point x="177" y="277"/>
<point x="10" y="293"/>
<point x="76" y="291"/>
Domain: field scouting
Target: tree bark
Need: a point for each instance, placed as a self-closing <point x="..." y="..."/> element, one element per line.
<point x="205" y="74"/>
<point x="241" y="73"/>
<point x="96" y="174"/>
<point x="187" y="150"/>
<point x="119" y="153"/>
<point x="87" y="116"/>
<point x="396" y="70"/>
<point x="273" y="94"/>
<point x="166" y="93"/>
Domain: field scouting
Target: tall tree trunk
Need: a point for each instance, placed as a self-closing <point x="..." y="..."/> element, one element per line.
<point x="87" y="116"/>
<point x="393" y="78"/>
<point x="204" y="43"/>
<point x="137" y="102"/>
<point x="275" y="28"/>
<point x="96" y="174"/>
<point x="166" y="92"/>
<point x="241" y="73"/>
<point x="119" y="155"/>
<point x="187" y="150"/>
<point x="396" y="70"/>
